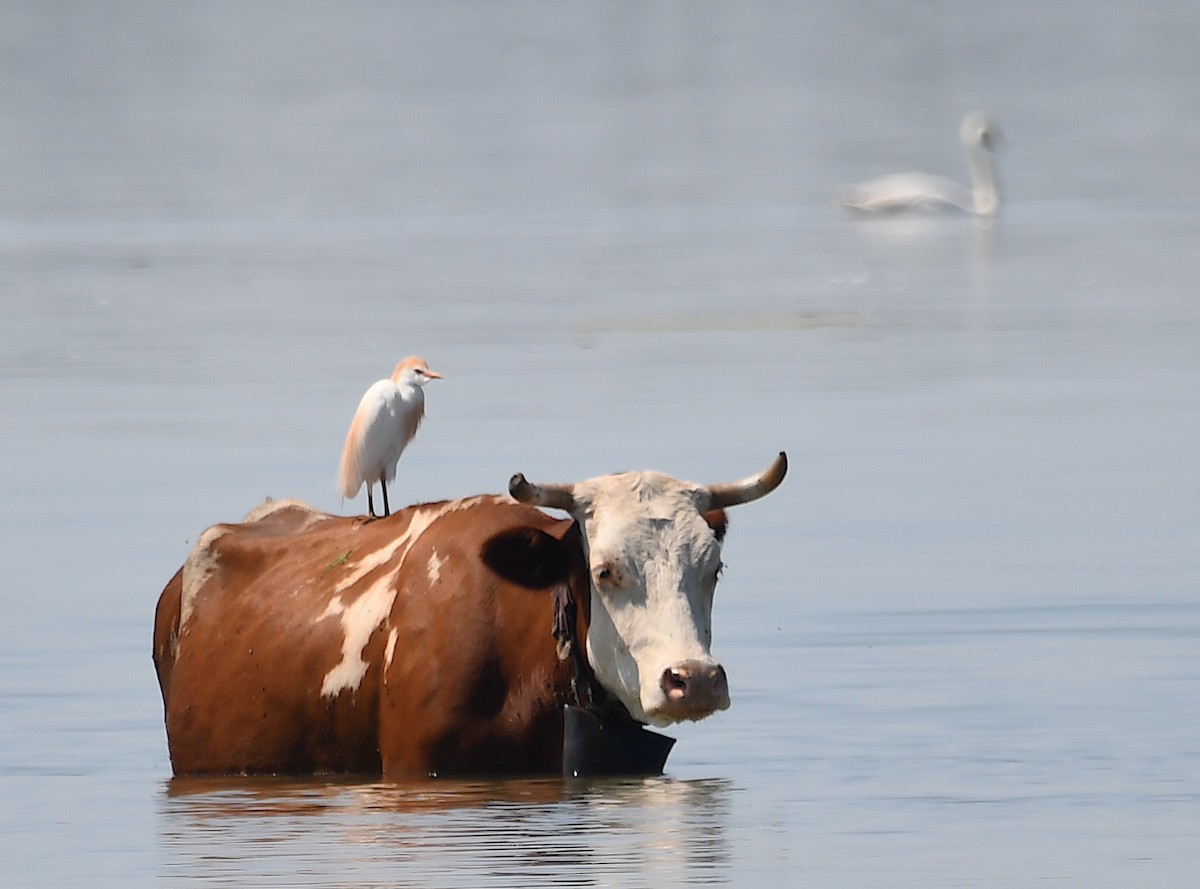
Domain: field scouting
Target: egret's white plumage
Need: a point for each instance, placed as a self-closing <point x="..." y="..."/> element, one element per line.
<point x="385" y="422"/>
<point x="905" y="191"/>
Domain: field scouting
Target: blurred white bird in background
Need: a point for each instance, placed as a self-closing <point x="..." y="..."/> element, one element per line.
<point x="385" y="422"/>
<point x="911" y="191"/>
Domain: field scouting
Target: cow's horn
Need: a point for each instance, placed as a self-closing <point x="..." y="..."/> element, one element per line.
<point x="734" y="493"/>
<point x="550" y="496"/>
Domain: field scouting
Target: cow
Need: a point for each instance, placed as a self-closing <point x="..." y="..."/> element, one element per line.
<point x="438" y="640"/>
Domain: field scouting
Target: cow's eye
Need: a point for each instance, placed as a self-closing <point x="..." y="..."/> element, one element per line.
<point x="605" y="575"/>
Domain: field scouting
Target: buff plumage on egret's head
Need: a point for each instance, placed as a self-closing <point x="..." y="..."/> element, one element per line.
<point x="915" y="191"/>
<point x="386" y="421"/>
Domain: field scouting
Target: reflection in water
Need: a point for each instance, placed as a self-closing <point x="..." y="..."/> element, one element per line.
<point x="913" y="259"/>
<point x="440" y="833"/>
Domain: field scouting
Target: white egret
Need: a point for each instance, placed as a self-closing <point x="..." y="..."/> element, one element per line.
<point x="385" y="422"/>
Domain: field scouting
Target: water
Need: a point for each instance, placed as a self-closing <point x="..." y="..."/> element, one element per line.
<point x="963" y="636"/>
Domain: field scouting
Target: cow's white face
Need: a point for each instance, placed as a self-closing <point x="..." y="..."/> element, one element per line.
<point x="654" y="562"/>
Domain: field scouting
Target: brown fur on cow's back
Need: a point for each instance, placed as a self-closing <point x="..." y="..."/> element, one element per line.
<point x="299" y="642"/>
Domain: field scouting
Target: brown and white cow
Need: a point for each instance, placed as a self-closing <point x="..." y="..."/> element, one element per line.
<point x="300" y="642"/>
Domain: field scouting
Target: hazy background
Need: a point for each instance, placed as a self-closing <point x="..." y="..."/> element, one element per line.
<point x="962" y="638"/>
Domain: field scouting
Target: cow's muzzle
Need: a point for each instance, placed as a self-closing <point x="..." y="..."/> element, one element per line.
<point x="694" y="689"/>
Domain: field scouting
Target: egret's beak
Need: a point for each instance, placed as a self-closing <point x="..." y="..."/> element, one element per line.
<point x="433" y="374"/>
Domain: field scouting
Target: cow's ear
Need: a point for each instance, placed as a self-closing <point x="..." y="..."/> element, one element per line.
<point x="527" y="556"/>
<point x="718" y="521"/>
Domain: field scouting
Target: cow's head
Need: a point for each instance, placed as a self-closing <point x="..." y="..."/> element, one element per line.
<point x="653" y="547"/>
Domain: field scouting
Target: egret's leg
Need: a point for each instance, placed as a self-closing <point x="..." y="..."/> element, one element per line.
<point x="370" y="502"/>
<point x="387" y="510"/>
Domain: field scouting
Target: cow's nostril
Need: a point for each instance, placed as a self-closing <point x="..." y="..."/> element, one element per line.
<point x="674" y="684"/>
<point x="720" y="684"/>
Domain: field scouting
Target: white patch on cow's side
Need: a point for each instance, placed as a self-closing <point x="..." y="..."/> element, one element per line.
<point x="200" y="566"/>
<point x="389" y="650"/>
<point x="400" y="545"/>
<point x="435" y="568"/>
<point x="359" y="620"/>
<point x="365" y="614"/>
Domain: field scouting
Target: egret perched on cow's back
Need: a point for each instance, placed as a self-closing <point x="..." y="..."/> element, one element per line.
<point x="385" y="422"/>
<point x="908" y="191"/>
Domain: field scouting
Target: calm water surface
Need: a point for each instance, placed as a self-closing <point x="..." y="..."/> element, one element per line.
<point x="964" y="636"/>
